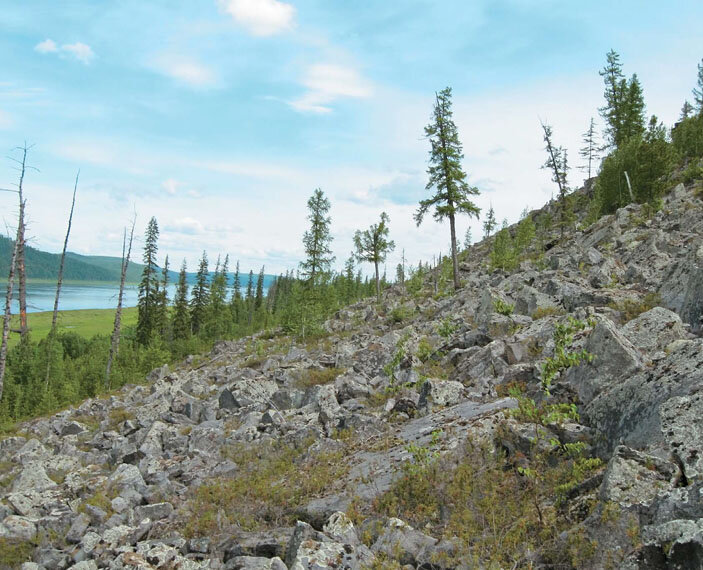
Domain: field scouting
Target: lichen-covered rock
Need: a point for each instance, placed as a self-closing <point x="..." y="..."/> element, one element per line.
<point x="654" y="330"/>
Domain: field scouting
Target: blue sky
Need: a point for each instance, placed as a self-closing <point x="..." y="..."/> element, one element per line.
<point x="220" y="117"/>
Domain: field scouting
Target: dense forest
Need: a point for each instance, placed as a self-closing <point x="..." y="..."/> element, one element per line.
<point x="638" y="158"/>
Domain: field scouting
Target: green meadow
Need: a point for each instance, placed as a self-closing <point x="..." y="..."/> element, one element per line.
<point x="85" y="322"/>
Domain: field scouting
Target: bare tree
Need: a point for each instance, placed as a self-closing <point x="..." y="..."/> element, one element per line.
<point x="17" y="253"/>
<point x="59" y="281"/>
<point x="7" y="315"/>
<point x="21" y="267"/>
<point x="115" y="341"/>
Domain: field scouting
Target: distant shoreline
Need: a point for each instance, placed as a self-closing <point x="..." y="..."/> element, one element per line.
<point x="93" y="283"/>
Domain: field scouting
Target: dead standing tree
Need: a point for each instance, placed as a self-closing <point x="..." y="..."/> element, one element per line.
<point x="15" y="265"/>
<point x="59" y="281"/>
<point x="115" y="340"/>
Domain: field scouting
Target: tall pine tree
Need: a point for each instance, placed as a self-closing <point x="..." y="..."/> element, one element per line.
<point x="446" y="176"/>
<point x="317" y="240"/>
<point x="557" y="164"/>
<point x="181" y="314"/>
<point x="200" y="296"/>
<point x="148" y="304"/>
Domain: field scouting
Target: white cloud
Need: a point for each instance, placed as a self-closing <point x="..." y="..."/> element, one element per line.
<point x="5" y="120"/>
<point x="328" y="82"/>
<point x="186" y="70"/>
<point x="260" y="17"/>
<point x="170" y="186"/>
<point x="78" y="50"/>
<point x="188" y="226"/>
<point x="47" y="46"/>
<point x="82" y="52"/>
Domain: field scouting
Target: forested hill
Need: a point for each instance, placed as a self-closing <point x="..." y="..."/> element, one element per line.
<point x="45" y="265"/>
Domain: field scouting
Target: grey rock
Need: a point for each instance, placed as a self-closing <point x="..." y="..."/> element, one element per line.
<point x="33" y="478"/>
<point x="614" y="358"/>
<point x="351" y="385"/>
<point x="654" y="330"/>
<point x="154" y="512"/>
<point x="440" y="393"/>
<point x="341" y="529"/>
<point x="635" y="478"/>
<point x="17" y="528"/>
<point x="127" y="476"/>
<point x="399" y="541"/>
<point x="255" y="563"/>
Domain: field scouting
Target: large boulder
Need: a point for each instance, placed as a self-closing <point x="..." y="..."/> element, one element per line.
<point x="614" y="359"/>
<point x="682" y="288"/>
<point x="654" y="330"/>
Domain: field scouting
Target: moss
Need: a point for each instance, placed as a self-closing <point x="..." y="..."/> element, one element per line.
<point x="13" y="553"/>
<point x="314" y="377"/>
<point x="273" y="483"/>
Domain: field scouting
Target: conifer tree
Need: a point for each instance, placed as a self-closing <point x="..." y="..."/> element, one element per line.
<point x="200" y="296"/>
<point x="373" y="245"/>
<point x="317" y="239"/>
<point x="181" y="314"/>
<point x="467" y="238"/>
<point x="623" y="111"/>
<point x="218" y="318"/>
<point x="503" y="253"/>
<point x="236" y="300"/>
<point x="489" y="223"/>
<point x="148" y="304"/>
<point x="446" y="176"/>
<point x="259" y="297"/>
<point x="557" y="164"/>
<point x="249" y="297"/>
<point x="350" y="284"/>
<point x="590" y="150"/>
<point x="698" y="91"/>
<point x="686" y="111"/>
<point x="162" y="294"/>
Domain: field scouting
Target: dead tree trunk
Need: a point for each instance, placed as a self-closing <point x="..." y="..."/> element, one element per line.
<point x="7" y="316"/>
<point x="59" y="281"/>
<point x="115" y="340"/>
<point x="20" y="261"/>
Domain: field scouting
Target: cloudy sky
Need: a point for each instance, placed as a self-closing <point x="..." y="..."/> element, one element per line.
<point x="221" y="117"/>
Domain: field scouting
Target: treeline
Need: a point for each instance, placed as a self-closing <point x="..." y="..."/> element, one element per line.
<point x="217" y="307"/>
<point x="43" y="265"/>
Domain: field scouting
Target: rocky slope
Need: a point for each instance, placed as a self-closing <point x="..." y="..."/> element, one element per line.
<point x="416" y="434"/>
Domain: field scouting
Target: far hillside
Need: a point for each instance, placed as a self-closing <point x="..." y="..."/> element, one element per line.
<point x="45" y="265"/>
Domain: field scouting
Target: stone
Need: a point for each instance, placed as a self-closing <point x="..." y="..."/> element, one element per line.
<point x="33" y="478"/>
<point x="351" y="385"/>
<point x="401" y="542"/>
<point x="614" y="358"/>
<point x="440" y="393"/>
<point x="78" y="528"/>
<point x="72" y="428"/>
<point x="341" y="529"/>
<point x="654" y="330"/>
<point x="154" y="512"/>
<point x="255" y="563"/>
<point x="17" y="528"/>
<point x="127" y="476"/>
<point x="633" y="478"/>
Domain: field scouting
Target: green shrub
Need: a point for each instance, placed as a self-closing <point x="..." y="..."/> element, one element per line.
<point x="502" y="307"/>
<point x="564" y="358"/>
<point x="687" y="137"/>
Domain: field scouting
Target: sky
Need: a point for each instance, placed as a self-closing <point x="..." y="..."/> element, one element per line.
<point x="221" y="117"/>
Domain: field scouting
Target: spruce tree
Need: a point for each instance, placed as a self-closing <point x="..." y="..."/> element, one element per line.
<point x="236" y="300"/>
<point x="686" y="111"/>
<point x="446" y="176"/>
<point x="467" y="238"/>
<point x="590" y="150"/>
<point x="373" y="245"/>
<point x="489" y="223"/>
<point x="698" y="91"/>
<point x="181" y="314"/>
<point x="148" y="304"/>
<point x="317" y="239"/>
<point x="623" y="111"/>
<point x="259" y="297"/>
<point x="249" y="297"/>
<point x="200" y="296"/>
<point x="218" y="318"/>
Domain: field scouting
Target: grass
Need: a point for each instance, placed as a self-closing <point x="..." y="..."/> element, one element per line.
<point x="273" y="483"/>
<point x="85" y="322"/>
